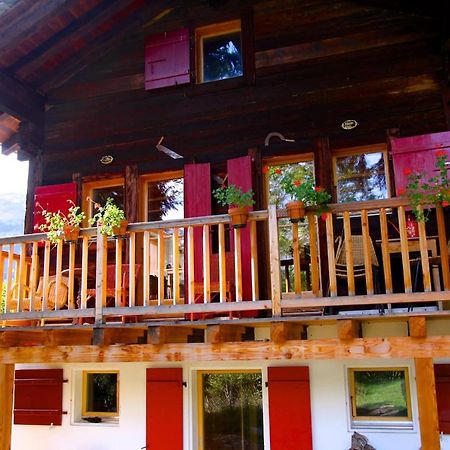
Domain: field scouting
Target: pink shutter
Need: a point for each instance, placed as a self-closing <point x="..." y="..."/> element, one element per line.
<point x="442" y="376"/>
<point x="417" y="153"/>
<point x="165" y="409"/>
<point x="289" y="408"/>
<point x="53" y="198"/>
<point x="167" y="59"/>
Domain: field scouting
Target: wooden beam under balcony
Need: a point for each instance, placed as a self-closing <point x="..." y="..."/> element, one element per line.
<point x="417" y="327"/>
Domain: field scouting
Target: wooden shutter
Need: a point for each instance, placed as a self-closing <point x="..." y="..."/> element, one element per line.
<point x="53" y="198"/>
<point x="442" y="376"/>
<point x="289" y="408"/>
<point x="167" y="59"/>
<point x="165" y="409"/>
<point x="417" y="153"/>
<point x="38" y="397"/>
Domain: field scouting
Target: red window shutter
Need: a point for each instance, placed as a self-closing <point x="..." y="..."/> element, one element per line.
<point x="442" y="375"/>
<point x="417" y="153"/>
<point x="53" y="198"/>
<point x="289" y="408"/>
<point x="165" y="409"/>
<point x="167" y="59"/>
<point x="38" y="397"/>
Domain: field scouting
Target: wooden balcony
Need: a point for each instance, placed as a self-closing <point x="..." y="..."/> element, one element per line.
<point x="197" y="269"/>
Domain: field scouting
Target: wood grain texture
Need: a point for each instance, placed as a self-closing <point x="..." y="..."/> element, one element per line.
<point x="6" y="404"/>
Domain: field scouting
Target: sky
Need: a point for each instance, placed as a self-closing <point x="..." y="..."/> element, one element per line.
<point x="13" y="188"/>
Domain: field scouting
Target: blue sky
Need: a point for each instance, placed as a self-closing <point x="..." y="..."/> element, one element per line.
<point x="13" y="187"/>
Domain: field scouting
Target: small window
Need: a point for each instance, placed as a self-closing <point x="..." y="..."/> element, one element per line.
<point x="380" y="398"/>
<point x="230" y="410"/>
<point x="100" y="394"/>
<point x="219" y="51"/>
<point x="361" y="175"/>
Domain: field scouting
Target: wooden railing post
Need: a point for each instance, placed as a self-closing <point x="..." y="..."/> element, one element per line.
<point x="6" y="404"/>
<point x="100" y="276"/>
<point x="274" y="251"/>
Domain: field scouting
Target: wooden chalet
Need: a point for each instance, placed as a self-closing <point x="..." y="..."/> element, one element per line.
<point x="186" y="333"/>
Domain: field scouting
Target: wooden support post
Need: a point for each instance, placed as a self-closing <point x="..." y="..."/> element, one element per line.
<point x="426" y="399"/>
<point x="417" y="327"/>
<point x="6" y="404"/>
<point x="348" y="329"/>
<point x="286" y="331"/>
<point x="274" y="261"/>
<point x="100" y="277"/>
<point x="215" y="334"/>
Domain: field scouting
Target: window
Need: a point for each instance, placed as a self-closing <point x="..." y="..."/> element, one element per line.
<point x="100" y="395"/>
<point x="219" y="51"/>
<point x="230" y="410"/>
<point x="99" y="191"/>
<point x="380" y="398"/>
<point x="360" y="174"/>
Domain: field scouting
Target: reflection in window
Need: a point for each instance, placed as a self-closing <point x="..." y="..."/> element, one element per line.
<point x="100" y="393"/>
<point x="165" y="200"/>
<point x="231" y="411"/>
<point x="380" y="395"/>
<point x="100" y="195"/>
<point x="361" y="177"/>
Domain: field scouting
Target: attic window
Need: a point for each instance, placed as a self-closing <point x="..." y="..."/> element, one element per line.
<point x="219" y="51"/>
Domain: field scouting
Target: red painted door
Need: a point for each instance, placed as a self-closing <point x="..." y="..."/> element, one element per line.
<point x="289" y="408"/>
<point x="164" y="424"/>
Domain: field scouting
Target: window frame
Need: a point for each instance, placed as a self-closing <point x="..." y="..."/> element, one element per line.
<point x="199" y="376"/>
<point x="378" y="422"/>
<point x="88" y="188"/>
<point x="215" y="30"/>
<point x="364" y="149"/>
<point x="84" y="412"/>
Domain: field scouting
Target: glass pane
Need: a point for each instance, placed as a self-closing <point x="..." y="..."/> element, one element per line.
<point x="232" y="411"/>
<point x="222" y="57"/>
<point x="361" y="177"/>
<point x="115" y="192"/>
<point x="101" y="392"/>
<point x="165" y="200"/>
<point x="380" y="393"/>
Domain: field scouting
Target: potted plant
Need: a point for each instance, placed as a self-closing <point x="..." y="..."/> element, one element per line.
<point x="62" y="226"/>
<point x="432" y="191"/>
<point x="304" y="194"/>
<point x="110" y="218"/>
<point x="237" y="201"/>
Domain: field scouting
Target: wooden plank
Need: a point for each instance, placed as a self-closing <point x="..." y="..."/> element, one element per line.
<point x="84" y="272"/>
<point x="426" y="401"/>
<point x="217" y="334"/>
<point x="424" y="255"/>
<point x="146" y="263"/>
<point x="132" y="269"/>
<point x="6" y="404"/>
<point x="443" y="249"/>
<point x="2" y="267"/>
<point x="222" y="264"/>
<point x="238" y="264"/>
<point x="59" y="255"/>
<point x="296" y="259"/>
<point x="206" y="265"/>
<point x="281" y="332"/>
<point x="331" y="256"/>
<point x="417" y="327"/>
<point x="21" y="275"/>
<point x="165" y="335"/>
<point x="314" y="254"/>
<point x="274" y="255"/>
<point x="71" y="283"/>
<point x="34" y="272"/>
<point x="404" y="249"/>
<point x="100" y="276"/>
<point x="161" y="266"/>
<point x="385" y="251"/>
<point x="254" y="260"/>
<point x="348" y="329"/>
<point x="118" y="278"/>
<point x="10" y="280"/>
<point x="367" y="246"/>
<point x="349" y="254"/>
<point x="176" y="265"/>
<point x="191" y="264"/>
<point x="46" y="276"/>
<point x="302" y="350"/>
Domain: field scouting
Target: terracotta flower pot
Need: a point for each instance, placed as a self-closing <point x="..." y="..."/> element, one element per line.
<point x="238" y="217"/>
<point x="71" y="233"/>
<point x="295" y="210"/>
<point x="121" y="229"/>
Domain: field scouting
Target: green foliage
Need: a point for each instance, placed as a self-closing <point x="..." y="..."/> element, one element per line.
<point x="432" y="191"/>
<point x="56" y="221"/>
<point x="3" y="298"/>
<point x="107" y="217"/>
<point x="233" y="196"/>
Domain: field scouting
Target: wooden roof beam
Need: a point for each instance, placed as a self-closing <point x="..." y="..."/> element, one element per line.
<point x="20" y="101"/>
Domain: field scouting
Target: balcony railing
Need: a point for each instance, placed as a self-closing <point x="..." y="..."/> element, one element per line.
<point x="360" y="255"/>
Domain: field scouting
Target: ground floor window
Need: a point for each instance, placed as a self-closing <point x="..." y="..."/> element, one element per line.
<point x="230" y="411"/>
<point x="380" y="398"/>
<point x="100" y="394"/>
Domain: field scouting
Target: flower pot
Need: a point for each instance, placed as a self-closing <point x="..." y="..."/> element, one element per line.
<point x="238" y="217"/>
<point x="71" y="233"/>
<point x="295" y="210"/>
<point x="121" y="229"/>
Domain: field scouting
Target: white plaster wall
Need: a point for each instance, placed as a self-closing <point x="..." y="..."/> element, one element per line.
<point x="330" y="418"/>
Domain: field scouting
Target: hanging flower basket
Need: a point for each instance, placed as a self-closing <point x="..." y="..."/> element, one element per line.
<point x="295" y="210"/>
<point x="121" y="229"/>
<point x="238" y="217"/>
<point x="71" y="233"/>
